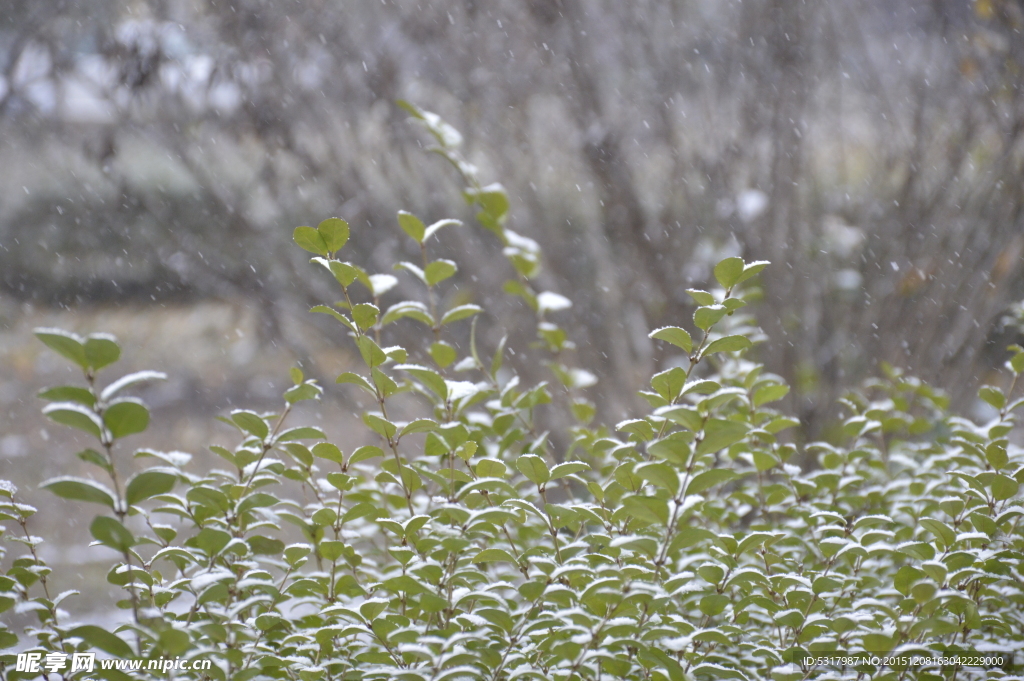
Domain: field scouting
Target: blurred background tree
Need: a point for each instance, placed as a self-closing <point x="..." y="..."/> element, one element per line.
<point x="156" y="154"/>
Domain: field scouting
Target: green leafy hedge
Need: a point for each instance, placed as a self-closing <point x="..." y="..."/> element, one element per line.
<point x="692" y="541"/>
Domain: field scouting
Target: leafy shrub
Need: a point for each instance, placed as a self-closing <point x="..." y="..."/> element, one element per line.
<point x="689" y="542"/>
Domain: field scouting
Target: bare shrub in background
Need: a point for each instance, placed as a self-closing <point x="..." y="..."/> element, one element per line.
<point x="871" y="150"/>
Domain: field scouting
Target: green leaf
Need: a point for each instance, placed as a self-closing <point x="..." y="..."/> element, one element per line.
<point x="210" y="541"/>
<point x="674" y="335"/>
<point x="365" y="315"/>
<point x="130" y="380"/>
<point x="466" y="450"/>
<point x="126" y="416"/>
<point x="64" y="343"/>
<point x="1017" y="361"/>
<point x="412" y="226"/>
<point x="380" y="425"/>
<point x="568" y="468"/>
<point x="265" y="546"/>
<point x="331" y="550"/>
<point x="674" y="448"/>
<point x="345" y="273"/>
<point x="420" y="115"/>
<point x="428" y="377"/>
<point x="489" y="468"/>
<point x="499" y="356"/>
<point x="754" y="539"/>
<point x="76" y="416"/>
<point x="780" y="423"/>
<point x="101" y="350"/>
<point x="301" y="433"/>
<point x="334" y="232"/>
<point x="905" y="577"/>
<point x="993" y="396"/>
<point x="583" y="410"/>
<point x="719" y="434"/>
<point x="718" y="672"/>
<point x="148" y="484"/>
<point x="729" y="271"/>
<point x="110" y="532"/>
<point x="69" y="393"/>
<point x="439" y="270"/>
<point x="413" y="269"/>
<point x="80" y="489"/>
<point x="250" y="422"/>
<point x="356" y="379"/>
<point x="534" y="468"/>
<point x="209" y="497"/>
<point x="494" y="556"/>
<point x="685" y="416"/>
<point x="404" y="584"/>
<point x="437" y="226"/>
<point x="702" y="387"/>
<point x="174" y="642"/>
<point x="769" y="393"/>
<point x="419" y="426"/>
<point x="661" y="474"/>
<point x="669" y="383"/>
<point x="443" y="353"/>
<point x="690" y="536"/>
<point x="514" y="287"/>
<point x="257" y="500"/>
<point x="293" y="553"/>
<point x="268" y="621"/>
<point x="923" y="592"/>
<point x="1003" y="487"/>
<point x="708" y="479"/>
<point x="95" y="458"/>
<point x="301" y="392"/>
<point x="647" y="509"/>
<point x="727" y="344"/>
<point x="373" y="607"/>
<point x="364" y="453"/>
<point x="493" y="200"/>
<point x="733" y="304"/>
<point x="996" y="456"/>
<point x="764" y="461"/>
<point x="310" y="239"/>
<point x="460" y="312"/>
<point x="102" y="639"/>
<point x="408" y="308"/>
<point x="708" y="316"/>
<point x="701" y="297"/>
<point x="325" y="450"/>
<point x="642" y="428"/>
<point x="371" y="352"/>
<point x="878" y="643"/>
<point x="944" y="532"/>
<point x="751" y="269"/>
<point x="323" y="309"/>
<point x="920" y="550"/>
<point x="714" y="604"/>
<point x="385" y="385"/>
<point x="675" y="670"/>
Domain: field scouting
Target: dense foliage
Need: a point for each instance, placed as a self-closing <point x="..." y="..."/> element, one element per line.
<point x="692" y="541"/>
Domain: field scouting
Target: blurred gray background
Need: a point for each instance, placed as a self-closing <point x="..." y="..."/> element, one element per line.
<point x="155" y="156"/>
